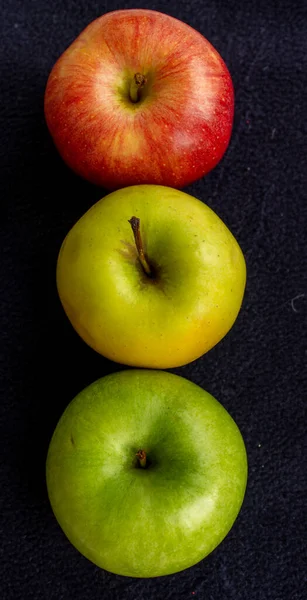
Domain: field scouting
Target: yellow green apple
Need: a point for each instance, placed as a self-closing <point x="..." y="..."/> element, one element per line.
<point x="151" y="277"/>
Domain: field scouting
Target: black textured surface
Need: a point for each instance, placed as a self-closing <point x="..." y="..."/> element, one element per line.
<point x="258" y="371"/>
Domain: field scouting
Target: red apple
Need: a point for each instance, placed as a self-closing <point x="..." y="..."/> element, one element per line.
<point x="140" y="97"/>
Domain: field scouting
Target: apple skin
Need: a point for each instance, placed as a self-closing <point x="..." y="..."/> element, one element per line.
<point x="130" y="318"/>
<point x="175" y="134"/>
<point x="146" y="522"/>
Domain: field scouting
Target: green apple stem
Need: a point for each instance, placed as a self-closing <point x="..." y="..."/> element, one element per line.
<point x="136" y="85"/>
<point x="135" y="224"/>
<point x="141" y="454"/>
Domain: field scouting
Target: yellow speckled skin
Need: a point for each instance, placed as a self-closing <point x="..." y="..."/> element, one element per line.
<point x="166" y="321"/>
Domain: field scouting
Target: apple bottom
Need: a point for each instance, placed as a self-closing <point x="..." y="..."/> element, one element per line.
<point x="146" y="473"/>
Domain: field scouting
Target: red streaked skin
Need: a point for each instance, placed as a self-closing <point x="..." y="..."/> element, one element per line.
<point x="175" y="134"/>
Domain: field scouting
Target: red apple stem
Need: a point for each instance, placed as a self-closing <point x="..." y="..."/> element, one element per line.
<point x="135" y="224"/>
<point x="141" y="454"/>
<point x="136" y="85"/>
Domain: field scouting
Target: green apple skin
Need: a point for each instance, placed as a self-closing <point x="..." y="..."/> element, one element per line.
<point x="157" y="520"/>
<point x="161" y="322"/>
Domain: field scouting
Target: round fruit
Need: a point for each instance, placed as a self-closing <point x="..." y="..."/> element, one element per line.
<point x="146" y="473"/>
<point x="151" y="277"/>
<point x="140" y="97"/>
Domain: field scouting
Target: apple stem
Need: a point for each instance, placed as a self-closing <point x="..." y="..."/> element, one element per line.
<point x="141" y="454"/>
<point x="135" y="224"/>
<point x="136" y="85"/>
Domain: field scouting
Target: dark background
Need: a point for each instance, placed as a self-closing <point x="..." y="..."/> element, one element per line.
<point x="258" y="371"/>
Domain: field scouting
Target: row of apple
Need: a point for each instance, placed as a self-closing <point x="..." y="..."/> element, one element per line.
<point x="146" y="472"/>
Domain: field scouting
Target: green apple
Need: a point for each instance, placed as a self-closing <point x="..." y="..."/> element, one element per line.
<point x="151" y="277"/>
<point x="146" y="473"/>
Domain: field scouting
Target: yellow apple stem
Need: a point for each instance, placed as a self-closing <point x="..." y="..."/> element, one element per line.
<point x="135" y="224"/>
<point x="136" y="85"/>
<point x="141" y="454"/>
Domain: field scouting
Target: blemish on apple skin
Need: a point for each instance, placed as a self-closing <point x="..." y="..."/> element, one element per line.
<point x="72" y="439"/>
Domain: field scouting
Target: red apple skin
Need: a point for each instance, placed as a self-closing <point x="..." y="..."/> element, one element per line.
<point x="176" y="133"/>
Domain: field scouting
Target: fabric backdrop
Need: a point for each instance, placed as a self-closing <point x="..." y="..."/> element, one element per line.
<point x="258" y="371"/>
